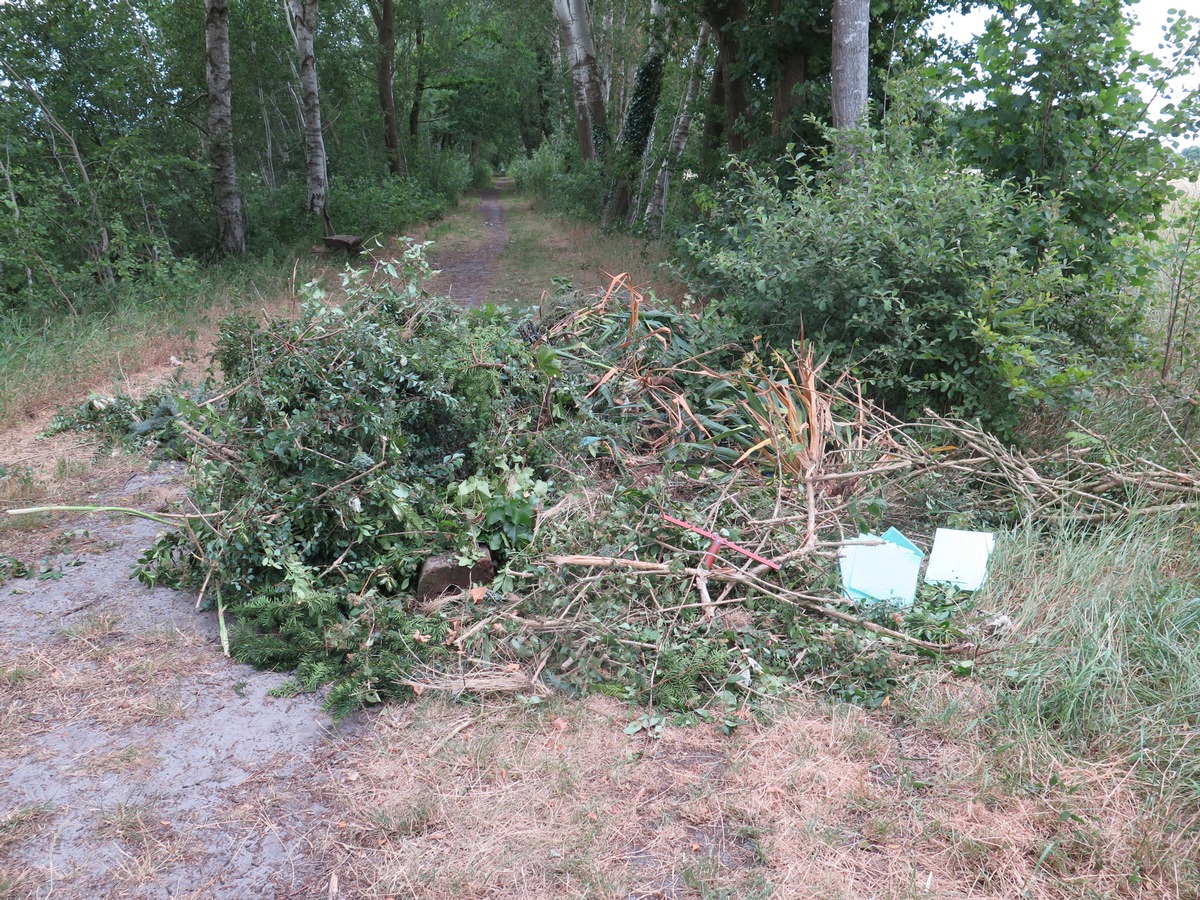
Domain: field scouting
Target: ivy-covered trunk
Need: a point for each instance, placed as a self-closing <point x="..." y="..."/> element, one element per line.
<point x="302" y="20"/>
<point x="231" y="224"/>
<point x="639" y="120"/>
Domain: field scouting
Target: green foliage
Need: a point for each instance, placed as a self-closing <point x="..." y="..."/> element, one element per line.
<point x="444" y="174"/>
<point x="912" y="271"/>
<point x="559" y="180"/>
<point x="1056" y="99"/>
<point x="1177" y="253"/>
<point x="356" y="440"/>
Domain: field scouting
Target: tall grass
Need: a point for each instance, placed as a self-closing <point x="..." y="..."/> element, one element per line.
<point x="1106" y="658"/>
<point x="49" y="358"/>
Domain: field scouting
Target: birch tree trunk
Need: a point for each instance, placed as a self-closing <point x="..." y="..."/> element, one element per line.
<point x="851" y="60"/>
<point x="302" y="21"/>
<point x="587" y="88"/>
<point x="383" y="13"/>
<point x="679" y="133"/>
<point x="231" y="223"/>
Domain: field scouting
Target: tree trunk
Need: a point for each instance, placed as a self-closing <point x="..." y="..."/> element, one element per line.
<point x="795" y="73"/>
<point x="723" y="16"/>
<point x="639" y="120"/>
<point x="383" y="12"/>
<point x="679" y="132"/>
<point x="414" y="112"/>
<point x="714" y="116"/>
<point x="231" y="223"/>
<point x="851" y="60"/>
<point x="588" y="89"/>
<point x="302" y="20"/>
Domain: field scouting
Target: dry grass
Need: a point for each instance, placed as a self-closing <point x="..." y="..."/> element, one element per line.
<point x="453" y="801"/>
<point x="145" y="843"/>
<point x="17" y="827"/>
<point x="543" y="247"/>
<point x="97" y="673"/>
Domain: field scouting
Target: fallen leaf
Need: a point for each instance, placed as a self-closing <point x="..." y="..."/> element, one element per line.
<point x="478" y="593"/>
<point x="559" y="723"/>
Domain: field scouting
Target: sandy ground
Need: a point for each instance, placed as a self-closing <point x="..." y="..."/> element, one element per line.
<point x="148" y="764"/>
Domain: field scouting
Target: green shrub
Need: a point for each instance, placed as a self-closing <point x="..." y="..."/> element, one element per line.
<point x="561" y="182"/>
<point x="917" y="274"/>
<point x="369" y="207"/>
<point x="445" y="173"/>
<point x="535" y="174"/>
<point x="275" y="217"/>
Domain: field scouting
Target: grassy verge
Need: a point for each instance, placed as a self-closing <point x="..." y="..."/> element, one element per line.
<point x="544" y="249"/>
<point x="47" y="361"/>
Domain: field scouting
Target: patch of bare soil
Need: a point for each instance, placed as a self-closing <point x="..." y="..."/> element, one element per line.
<point x="468" y="276"/>
<point x="137" y="760"/>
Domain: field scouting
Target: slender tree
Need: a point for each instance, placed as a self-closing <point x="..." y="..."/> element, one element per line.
<point x="587" y="84"/>
<point x="679" y="132"/>
<point x="414" y="111"/>
<point x="383" y="13"/>
<point x="231" y="224"/>
<point x="726" y="18"/>
<point x="851" y="60"/>
<point x="302" y="21"/>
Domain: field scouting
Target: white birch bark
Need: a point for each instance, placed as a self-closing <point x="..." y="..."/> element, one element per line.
<point x="679" y="133"/>
<point x="587" y="87"/>
<point x="231" y="223"/>
<point x="302" y="21"/>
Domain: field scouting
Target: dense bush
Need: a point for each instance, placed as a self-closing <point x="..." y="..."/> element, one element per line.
<point x="357" y="205"/>
<point x="444" y="173"/>
<point x="915" y="273"/>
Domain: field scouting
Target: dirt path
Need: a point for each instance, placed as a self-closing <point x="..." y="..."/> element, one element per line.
<point x="469" y="275"/>
<point x="137" y="760"/>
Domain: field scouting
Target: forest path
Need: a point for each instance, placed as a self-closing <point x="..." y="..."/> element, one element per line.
<point x="470" y="270"/>
<point x="498" y="245"/>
